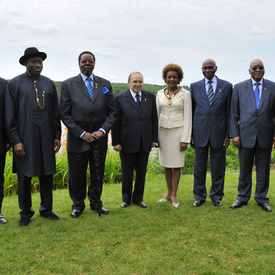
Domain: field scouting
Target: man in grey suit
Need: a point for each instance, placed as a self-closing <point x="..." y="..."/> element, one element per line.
<point x="211" y="98"/>
<point x="87" y="108"/>
<point x="252" y="130"/>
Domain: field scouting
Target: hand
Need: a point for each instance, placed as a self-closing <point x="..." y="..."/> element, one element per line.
<point x="183" y="146"/>
<point x="19" y="150"/>
<point x="236" y="142"/>
<point x="117" y="147"/>
<point x="57" y="145"/>
<point x="225" y="143"/>
<point x="97" y="134"/>
<point x="90" y="137"/>
<point x="155" y="145"/>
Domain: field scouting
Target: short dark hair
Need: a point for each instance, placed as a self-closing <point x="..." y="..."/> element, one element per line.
<point x="86" y="52"/>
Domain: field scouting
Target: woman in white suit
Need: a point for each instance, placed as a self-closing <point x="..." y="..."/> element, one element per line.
<point x="175" y="123"/>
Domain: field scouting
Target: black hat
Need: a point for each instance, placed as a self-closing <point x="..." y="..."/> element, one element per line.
<point x="31" y="52"/>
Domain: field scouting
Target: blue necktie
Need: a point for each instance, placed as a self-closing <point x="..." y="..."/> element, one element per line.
<point x="210" y="93"/>
<point x="90" y="87"/>
<point x="257" y="94"/>
<point x="137" y="100"/>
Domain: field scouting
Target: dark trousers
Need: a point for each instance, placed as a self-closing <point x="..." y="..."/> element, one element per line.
<point x="78" y="163"/>
<point x="129" y="162"/>
<point x="2" y="166"/>
<point x="262" y="162"/>
<point x="24" y="194"/>
<point x="217" y="164"/>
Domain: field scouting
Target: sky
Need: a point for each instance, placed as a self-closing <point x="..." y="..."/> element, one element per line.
<point x="144" y="36"/>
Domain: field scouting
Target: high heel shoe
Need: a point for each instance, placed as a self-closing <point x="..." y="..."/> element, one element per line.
<point x="175" y="204"/>
<point x="162" y="200"/>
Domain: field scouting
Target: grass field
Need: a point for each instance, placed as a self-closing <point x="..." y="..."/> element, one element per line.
<point x="158" y="240"/>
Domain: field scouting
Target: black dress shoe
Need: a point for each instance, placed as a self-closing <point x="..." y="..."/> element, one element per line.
<point x="217" y="203"/>
<point x="141" y="204"/>
<point x="76" y="213"/>
<point x="238" y="204"/>
<point x="51" y="216"/>
<point x="102" y="210"/>
<point x="24" y="221"/>
<point x="198" y="203"/>
<point x="265" y="207"/>
<point x="124" y="204"/>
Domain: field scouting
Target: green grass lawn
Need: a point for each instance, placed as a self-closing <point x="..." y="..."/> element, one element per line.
<point x="158" y="240"/>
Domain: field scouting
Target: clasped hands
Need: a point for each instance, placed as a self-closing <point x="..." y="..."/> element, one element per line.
<point x="90" y="137"/>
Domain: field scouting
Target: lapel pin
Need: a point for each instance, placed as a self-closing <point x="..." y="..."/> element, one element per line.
<point x="265" y="88"/>
<point x="145" y="99"/>
<point x="220" y="90"/>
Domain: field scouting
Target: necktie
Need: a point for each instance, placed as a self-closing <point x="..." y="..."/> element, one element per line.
<point x="210" y="93"/>
<point x="257" y="94"/>
<point x="90" y="87"/>
<point x="137" y="100"/>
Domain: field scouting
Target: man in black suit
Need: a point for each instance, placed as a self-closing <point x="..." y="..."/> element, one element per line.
<point x="252" y="131"/>
<point x="4" y="144"/>
<point x="211" y="98"/>
<point x="134" y="134"/>
<point x="87" y="108"/>
<point x="33" y="125"/>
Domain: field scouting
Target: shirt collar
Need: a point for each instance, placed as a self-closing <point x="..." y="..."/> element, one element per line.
<point x="85" y="76"/>
<point x="214" y="80"/>
<point x="134" y="94"/>
<point x="261" y="81"/>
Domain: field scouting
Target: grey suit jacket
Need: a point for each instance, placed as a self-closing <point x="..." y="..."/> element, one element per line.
<point x="80" y="113"/>
<point x="210" y="123"/>
<point x="246" y="121"/>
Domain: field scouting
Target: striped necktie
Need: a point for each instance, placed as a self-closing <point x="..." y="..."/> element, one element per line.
<point x="210" y="93"/>
<point x="90" y="87"/>
<point x="257" y="94"/>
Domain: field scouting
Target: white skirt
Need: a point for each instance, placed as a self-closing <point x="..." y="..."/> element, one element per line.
<point x="170" y="155"/>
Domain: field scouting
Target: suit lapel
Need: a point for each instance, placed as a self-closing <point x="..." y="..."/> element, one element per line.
<point x="143" y="99"/>
<point x="130" y="99"/>
<point x="265" y="91"/>
<point x="250" y="93"/>
<point x="97" y="87"/>
<point x="203" y="91"/>
<point x="218" y="90"/>
<point x="82" y="87"/>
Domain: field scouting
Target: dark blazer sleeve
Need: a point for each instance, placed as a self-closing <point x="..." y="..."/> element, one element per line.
<point x="3" y="134"/>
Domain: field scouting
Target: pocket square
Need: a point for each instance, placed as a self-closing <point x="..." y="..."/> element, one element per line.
<point x="105" y="90"/>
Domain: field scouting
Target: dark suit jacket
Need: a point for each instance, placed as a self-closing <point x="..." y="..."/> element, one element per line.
<point x="210" y="123"/>
<point x="3" y="135"/>
<point x="80" y="113"/>
<point x="134" y="125"/>
<point x="248" y="123"/>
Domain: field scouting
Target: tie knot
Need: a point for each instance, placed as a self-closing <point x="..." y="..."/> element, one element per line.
<point x="137" y="96"/>
<point x="257" y="84"/>
<point x="89" y="79"/>
<point x="210" y="82"/>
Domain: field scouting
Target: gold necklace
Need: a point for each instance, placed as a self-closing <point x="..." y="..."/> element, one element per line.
<point x="170" y="101"/>
<point x="37" y="99"/>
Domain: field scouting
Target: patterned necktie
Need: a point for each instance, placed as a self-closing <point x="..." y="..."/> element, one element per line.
<point x="90" y="87"/>
<point x="257" y="94"/>
<point x="210" y="93"/>
<point x="138" y="100"/>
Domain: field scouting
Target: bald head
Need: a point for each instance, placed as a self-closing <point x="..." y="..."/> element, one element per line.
<point x="209" y="68"/>
<point x="256" y="69"/>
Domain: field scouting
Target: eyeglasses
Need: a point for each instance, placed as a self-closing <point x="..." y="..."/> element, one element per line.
<point x="255" y="68"/>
